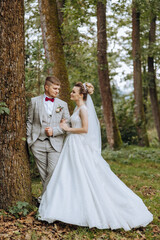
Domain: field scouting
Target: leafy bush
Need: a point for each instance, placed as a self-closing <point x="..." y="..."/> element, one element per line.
<point x="21" y="209"/>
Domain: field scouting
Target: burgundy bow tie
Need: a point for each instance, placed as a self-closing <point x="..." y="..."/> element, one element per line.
<point x="49" y="99"/>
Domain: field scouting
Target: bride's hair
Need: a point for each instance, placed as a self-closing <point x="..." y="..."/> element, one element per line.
<point x="85" y="89"/>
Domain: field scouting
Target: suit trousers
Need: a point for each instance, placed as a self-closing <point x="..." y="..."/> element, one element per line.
<point x="46" y="159"/>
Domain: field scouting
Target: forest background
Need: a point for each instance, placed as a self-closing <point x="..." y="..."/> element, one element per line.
<point x="121" y="62"/>
<point x="80" y="47"/>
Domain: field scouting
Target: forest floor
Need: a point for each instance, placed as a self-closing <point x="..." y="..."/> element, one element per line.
<point x="137" y="167"/>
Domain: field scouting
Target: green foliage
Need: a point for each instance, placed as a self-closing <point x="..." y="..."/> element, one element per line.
<point x="4" y="108"/>
<point x="21" y="209"/>
<point x="79" y="47"/>
<point x="153" y="138"/>
<point x="125" y="119"/>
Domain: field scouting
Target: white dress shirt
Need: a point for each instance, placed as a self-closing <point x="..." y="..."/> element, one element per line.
<point x="48" y="105"/>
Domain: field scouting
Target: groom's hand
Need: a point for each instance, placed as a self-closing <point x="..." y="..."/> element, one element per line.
<point x="63" y="120"/>
<point x="49" y="131"/>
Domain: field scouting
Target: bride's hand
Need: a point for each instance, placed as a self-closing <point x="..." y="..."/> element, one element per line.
<point x="64" y="126"/>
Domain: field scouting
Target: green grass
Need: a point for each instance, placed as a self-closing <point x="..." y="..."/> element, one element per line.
<point x="139" y="169"/>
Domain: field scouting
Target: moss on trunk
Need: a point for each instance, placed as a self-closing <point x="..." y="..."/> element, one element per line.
<point x="53" y="45"/>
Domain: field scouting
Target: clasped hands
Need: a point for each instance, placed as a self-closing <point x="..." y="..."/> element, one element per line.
<point x="63" y="125"/>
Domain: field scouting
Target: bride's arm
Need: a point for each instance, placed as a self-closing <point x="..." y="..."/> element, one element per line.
<point x="84" y="118"/>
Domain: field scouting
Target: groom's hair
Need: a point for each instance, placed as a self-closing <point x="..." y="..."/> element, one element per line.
<point x="52" y="80"/>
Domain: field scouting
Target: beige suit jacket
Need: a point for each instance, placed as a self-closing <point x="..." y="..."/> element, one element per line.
<point x="34" y="121"/>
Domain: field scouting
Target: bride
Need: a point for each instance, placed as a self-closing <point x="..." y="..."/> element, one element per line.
<point x="83" y="190"/>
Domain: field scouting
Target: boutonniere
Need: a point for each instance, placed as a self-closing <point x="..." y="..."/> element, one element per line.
<point x="59" y="109"/>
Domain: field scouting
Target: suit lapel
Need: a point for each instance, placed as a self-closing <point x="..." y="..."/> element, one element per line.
<point x="41" y="108"/>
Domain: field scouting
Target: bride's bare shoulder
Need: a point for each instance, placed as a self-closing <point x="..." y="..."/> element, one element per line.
<point x="83" y="110"/>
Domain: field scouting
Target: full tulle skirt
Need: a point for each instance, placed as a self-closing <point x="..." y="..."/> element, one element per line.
<point x="84" y="191"/>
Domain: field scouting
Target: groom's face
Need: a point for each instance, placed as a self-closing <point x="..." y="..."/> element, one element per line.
<point x="52" y="90"/>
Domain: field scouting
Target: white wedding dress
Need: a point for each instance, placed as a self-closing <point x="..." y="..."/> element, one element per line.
<point x="84" y="191"/>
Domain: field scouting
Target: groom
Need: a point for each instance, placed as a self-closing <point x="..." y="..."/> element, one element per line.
<point x="44" y="135"/>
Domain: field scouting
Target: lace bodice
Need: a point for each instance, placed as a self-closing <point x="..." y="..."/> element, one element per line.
<point x="75" y="118"/>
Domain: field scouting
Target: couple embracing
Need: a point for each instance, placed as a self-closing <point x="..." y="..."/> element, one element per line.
<point x="78" y="185"/>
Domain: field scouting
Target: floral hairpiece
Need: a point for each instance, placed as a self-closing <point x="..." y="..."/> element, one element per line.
<point x="89" y="87"/>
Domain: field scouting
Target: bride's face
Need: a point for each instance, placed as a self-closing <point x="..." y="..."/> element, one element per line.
<point x="75" y="95"/>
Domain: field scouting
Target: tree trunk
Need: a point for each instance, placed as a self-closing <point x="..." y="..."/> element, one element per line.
<point x="152" y="77"/>
<point x="113" y="134"/>
<point x="38" y="70"/>
<point x="60" y="5"/>
<point x="15" y="182"/>
<point x="53" y="45"/>
<point x="145" y="90"/>
<point x="139" y="110"/>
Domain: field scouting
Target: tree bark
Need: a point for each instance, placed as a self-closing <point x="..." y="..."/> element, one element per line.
<point x="53" y="45"/>
<point x="152" y="76"/>
<point x="60" y="5"/>
<point x="113" y="134"/>
<point x="138" y="96"/>
<point x="145" y="90"/>
<point x="15" y="182"/>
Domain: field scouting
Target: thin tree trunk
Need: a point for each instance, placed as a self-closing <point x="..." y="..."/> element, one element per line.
<point x="15" y="182"/>
<point x="53" y="45"/>
<point x="145" y="90"/>
<point x="139" y="110"/>
<point x="113" y="134"/>
<point x="152" y="77"/>
<point x="38" y="71"/>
